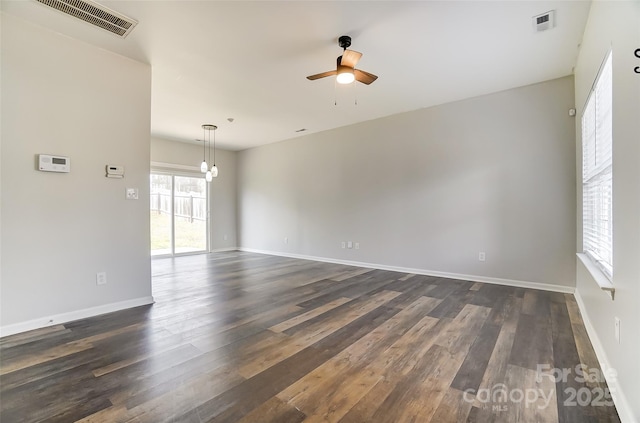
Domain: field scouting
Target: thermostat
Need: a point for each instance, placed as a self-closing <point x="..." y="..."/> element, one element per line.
<point x="48" y="163"/>
<point x="115" y="171"/>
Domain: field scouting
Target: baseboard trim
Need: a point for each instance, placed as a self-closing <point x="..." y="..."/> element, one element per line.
<point x="619" y="399"/>
<point x="224" y="250"/>
<point x="72" y="315"/>
<point x="472" y="278"/>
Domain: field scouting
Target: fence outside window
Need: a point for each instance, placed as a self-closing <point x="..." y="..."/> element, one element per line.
<point x="190" y="206"/>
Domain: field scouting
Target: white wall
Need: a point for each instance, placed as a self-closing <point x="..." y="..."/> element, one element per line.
<point x="616" y="26"/>
<point x="222" y="194"/>
<point x="428" y="189"/>
<point x="62" y="96"/>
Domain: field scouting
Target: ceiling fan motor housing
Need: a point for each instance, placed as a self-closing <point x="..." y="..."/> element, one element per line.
<point x="344" y="41"/>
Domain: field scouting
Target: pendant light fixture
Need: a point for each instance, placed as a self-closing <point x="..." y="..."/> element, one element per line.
<point x="208" y="173"/>
<point x="204" y="166"/>
<point x="214" y="168"/>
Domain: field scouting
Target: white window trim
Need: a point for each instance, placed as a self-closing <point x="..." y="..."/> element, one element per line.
<point x="597" y="274"/>
<point x="595" y="268"/>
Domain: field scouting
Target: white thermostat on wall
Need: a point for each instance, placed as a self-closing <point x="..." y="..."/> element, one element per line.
<point x="115" y="171"/>
<point x="49" y="163"/>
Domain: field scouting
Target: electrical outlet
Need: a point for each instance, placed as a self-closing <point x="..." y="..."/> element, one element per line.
<point x="132" y="193"/>
<point x="481" y="256"/>
<point x="617" y="328"/>
<point x="101" y="278"/>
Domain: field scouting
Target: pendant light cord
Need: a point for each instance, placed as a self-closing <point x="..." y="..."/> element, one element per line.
<point x="204" y="145"/>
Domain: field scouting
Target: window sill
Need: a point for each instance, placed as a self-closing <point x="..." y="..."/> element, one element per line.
<point x="601" y="279"/>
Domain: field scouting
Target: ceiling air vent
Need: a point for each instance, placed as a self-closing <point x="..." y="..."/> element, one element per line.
<point x="544" y="22"/>
<point x="95" y="14"/>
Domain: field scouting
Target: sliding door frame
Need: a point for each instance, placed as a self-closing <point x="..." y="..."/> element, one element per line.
<point x="167" y="169"/>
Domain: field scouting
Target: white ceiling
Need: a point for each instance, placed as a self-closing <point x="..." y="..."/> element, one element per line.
<point x="212" y="60"/>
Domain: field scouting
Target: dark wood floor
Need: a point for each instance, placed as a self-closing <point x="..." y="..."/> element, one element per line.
<point x="239" y="337"/>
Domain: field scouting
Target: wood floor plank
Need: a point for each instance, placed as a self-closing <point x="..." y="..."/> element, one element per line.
<point x="49" y="354"/>
<point x="565" y="354"/>
<point x="159" y="375"/>
<point x="292" y="345"/>
<point x="453" y="407"/>
<point x="364" y="410"/>
<point x="463" y="330"/>
<point x="31" y="336"/>
<point x="111" y="414"/>
<point x="280" y="327"/>
<point x="493" y="380"/>
<point x="340" y="375"/>
<point x="537" y="403"/>
<point x="411" y="400"/>
<point x="475" y="363"/>
<point x="338" y="400"/>
<point x="403" y="355"/>
<point x="274" y="410"/>
<point x="573" y="309"/>
<point x="252" y="338"/>
<point x="349" y="274"/>
<point x="240" y="400"/>
<point x="184" y="397"/>
<point x="533" y="344"/>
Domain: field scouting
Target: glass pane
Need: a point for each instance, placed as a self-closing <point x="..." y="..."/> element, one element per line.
<point x="160" y="206"/>
<point x="190" y="214"/>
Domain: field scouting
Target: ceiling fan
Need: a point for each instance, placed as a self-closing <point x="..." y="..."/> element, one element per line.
<point x="346" y="71"/>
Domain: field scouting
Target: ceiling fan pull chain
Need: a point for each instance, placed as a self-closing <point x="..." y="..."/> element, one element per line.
<point x="335" y="93"/>
<point x="355" y="93"/>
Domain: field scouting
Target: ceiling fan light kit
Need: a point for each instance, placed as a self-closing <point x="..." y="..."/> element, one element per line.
<point x="345" y="75"/>
<point x="346" y="71"/>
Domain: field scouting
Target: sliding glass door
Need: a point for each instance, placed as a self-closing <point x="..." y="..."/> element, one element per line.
<point x="179" y="214"/>
<point x="161" y="214"/>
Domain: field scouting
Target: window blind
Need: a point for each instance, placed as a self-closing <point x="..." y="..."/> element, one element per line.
<point x="597" y="140"/>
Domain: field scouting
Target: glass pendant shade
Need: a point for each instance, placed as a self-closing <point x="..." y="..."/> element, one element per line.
<point x="208" y="176"/>
<point x="345" y="75"/>
<point x="214" y="171"/>
<point x="203" y="167"/>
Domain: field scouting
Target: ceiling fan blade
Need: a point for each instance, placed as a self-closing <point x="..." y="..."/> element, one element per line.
<point x="321" y="75"/>
<point x="364" y="77"/>
<point x="350" y="58"/>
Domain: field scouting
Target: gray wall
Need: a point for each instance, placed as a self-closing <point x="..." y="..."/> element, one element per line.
<point x="428" y="189"/>
<point x="616" y="26"/>
<point x="62" y="96"/>
<point x="222" y="194"/>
